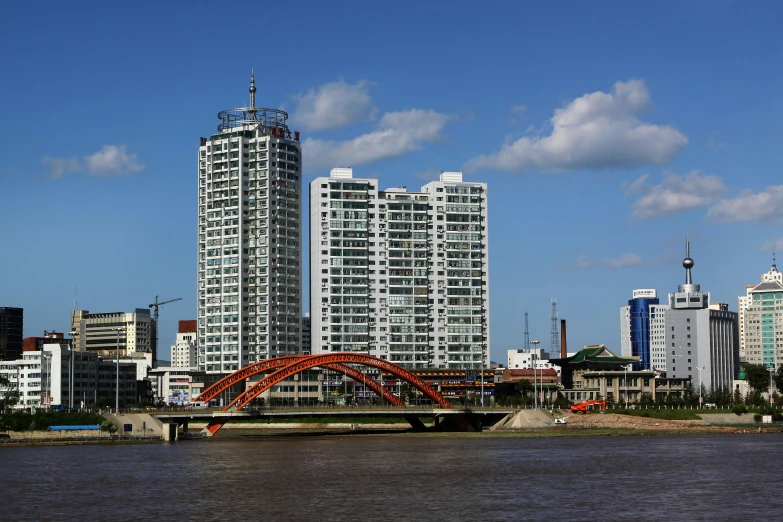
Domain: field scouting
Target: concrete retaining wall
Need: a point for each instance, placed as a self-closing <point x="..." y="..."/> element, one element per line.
<point x="154" y="427"/>
<point x="56" y="435"/>
<point x="727" y="418"/>
<point x="528" y="419"/>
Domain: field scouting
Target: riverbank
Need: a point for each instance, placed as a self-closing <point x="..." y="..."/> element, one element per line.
<point x="48" y="438"/>
<point x="589" y="425"/>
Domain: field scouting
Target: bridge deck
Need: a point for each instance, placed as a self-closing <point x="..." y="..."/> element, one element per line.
<point x="328" y="412"/>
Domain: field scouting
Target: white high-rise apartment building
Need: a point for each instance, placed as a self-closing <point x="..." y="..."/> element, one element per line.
<point x="400" y="275"/>
<point x="761" y="320"/>
<point x="658" y="336"/>
<point x="249" y="237"/>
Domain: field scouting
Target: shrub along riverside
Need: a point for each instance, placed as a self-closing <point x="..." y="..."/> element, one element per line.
<point x="42" y="420"/>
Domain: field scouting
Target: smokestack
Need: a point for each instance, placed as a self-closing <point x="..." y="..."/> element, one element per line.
<point x="563" y="343"/>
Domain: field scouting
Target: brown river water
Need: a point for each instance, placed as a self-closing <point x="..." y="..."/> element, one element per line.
<point x="400" y="477"/>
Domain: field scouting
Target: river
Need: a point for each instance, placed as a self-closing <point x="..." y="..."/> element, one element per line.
<point x="399" y="477"/>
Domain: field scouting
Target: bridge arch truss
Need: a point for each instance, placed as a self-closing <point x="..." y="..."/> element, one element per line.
<point x="282" y="368"/>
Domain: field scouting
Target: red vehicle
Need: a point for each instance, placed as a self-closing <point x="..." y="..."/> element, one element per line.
<point x="584" y="406"/>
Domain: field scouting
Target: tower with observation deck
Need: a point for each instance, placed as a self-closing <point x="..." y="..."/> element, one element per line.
<point x="249" y="239"/>
<point x="701" y="338"/>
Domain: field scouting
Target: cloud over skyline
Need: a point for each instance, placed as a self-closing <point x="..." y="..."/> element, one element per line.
<point x="775" y="245"/>
<point x="396" y="134"/>
<point x="110" y="161"/>
<point x="765" y="205"/>
<point x="626" y="260"/>
<point x="332" y="105"/>
<point x="674" y="194"/>
<point x="595" y="131"/>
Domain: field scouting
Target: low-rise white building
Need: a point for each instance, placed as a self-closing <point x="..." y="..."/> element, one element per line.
<point x="44" y="378"/>
<point x="527" y="359"/>
<point x="176" y="386"/>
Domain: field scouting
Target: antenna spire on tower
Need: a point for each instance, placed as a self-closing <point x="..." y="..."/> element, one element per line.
<point x="687" y="263"/>
<point x="252" y="89"/>
<point x="774" y="265"/>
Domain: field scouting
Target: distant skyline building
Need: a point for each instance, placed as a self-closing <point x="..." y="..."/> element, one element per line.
<point x="641" y="328"/>
<point x="11" y="332"/>
<point x="400" y="275"/>
<point x="249" y="239"/>
<point x="306" y="334"/>
<point x="527" y="359"/>
<point x="36" y="343"/>
<point x="762" y="320"/>
<point x="97" y="332"/>
<point x="184" y="352"/>
<point x="702" y="340"/>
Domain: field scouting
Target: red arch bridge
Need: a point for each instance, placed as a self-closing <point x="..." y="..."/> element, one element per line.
<point x="279" y="369"/>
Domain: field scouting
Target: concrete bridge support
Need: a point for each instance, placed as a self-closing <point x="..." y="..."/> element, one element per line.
<point x="170" y="431"/>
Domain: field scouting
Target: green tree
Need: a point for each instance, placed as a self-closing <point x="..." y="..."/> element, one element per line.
<point x="11" y="397"/>
<point x="690" y="395"/>
<point x="524" y="387"/>
<point x="103" y="402"/>
<point x="11" y="394"/>
<point x="109" y="427"/>
<point x="779" y="378"/>
<point x="737" y="397"/>
<point x="739" y="409"/>
<point x="758" y="377"/>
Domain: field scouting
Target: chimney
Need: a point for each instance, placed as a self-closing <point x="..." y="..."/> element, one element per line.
<point x="563" y="342"/>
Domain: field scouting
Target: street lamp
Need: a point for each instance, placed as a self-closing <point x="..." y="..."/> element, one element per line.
<point x="71" y="366"/>
<point x="626" y="385"/>
<point x="117" y="389"/>
<point x="533" y="360"/>
<point x="483" y="354"/>
<point x="701" y="399"/>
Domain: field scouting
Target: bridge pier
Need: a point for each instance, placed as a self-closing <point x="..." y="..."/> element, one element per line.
<point x="415" y="423"/>
<point x="170" y="433"/>
<point x="214" y="425"/>
<point x="459" y="422"/>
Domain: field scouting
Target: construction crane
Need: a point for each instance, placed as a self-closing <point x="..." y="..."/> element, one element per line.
<point x="156" y="305"/>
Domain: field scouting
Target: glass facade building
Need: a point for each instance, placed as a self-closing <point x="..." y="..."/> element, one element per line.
<point x="640" y="311"/>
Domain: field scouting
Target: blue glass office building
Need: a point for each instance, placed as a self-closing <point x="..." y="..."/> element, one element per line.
<point x="639" y="317"/>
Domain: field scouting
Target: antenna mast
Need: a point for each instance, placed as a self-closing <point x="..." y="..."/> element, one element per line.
<point x="554" y="341"/>
<point x="527" y="334"/>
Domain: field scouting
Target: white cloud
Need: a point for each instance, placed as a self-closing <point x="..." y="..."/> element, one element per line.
<point x="332" y="105"/>
<point x="625" y="260"/>
<point x="674" y="194"/>
<point x="397" y="133"/>
<point x="110" y="161"/>
<point x="519" y="112"/>
<point x="596" y="131"/>
<point x="59" y="167"/>
<point x="775" y="245"/>
<point x="428" y="174"/>
<point x="766" y="205"/>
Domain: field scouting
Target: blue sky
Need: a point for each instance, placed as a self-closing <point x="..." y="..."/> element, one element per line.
<point x="601" y="129"/>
